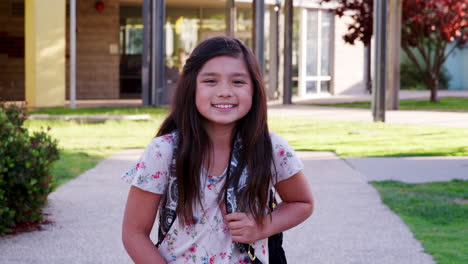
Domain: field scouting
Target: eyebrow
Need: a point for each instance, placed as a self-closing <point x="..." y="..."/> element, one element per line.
<point x="236" y="74"/>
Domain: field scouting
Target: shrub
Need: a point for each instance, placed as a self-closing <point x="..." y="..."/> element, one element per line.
<point x="410" y="78"/>
<point x="25" y="161"/>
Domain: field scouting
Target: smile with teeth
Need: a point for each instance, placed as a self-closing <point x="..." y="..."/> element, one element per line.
<point x="224" y="106"/>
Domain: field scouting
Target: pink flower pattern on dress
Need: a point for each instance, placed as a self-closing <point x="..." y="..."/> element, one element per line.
<point x="156" y="175"/>
<point x="167" y="138"/>
<point x="222" y="255"/>
<point x="158" y="155"/>
<point x="140" y="165"/>
<point x="281" y="152"/>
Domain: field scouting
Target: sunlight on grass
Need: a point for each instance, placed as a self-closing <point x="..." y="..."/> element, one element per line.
<point x="83" y="144"/>
<point x="153" y="111"/>
<point x="359" y="139"/>
<point x="434" y="214"/>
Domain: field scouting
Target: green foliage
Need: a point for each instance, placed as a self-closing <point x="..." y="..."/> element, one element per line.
<point x="25" y="180"/>
<point x="410" y="77"/>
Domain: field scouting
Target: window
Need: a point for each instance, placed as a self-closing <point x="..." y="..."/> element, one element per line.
<point x="315" y="45"/>
<point x="131" y="36"/>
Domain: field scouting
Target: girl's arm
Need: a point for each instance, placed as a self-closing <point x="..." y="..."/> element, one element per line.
<point x="139" y="216"/>
<point x="296" y="206"/>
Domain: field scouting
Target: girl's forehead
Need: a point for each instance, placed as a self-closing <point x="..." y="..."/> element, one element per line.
<point x="225" y="64"/>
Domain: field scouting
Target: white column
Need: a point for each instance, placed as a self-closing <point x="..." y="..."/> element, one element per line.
<point x="72" y="53"/>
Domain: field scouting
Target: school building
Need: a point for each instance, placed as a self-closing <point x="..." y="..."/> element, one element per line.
<point x="35" y="47"/>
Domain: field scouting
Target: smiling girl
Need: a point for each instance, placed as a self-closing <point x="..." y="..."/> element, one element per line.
<point x="214" y="149"/>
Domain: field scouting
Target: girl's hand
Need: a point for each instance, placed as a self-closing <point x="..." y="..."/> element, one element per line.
<point x="242" y="226"/>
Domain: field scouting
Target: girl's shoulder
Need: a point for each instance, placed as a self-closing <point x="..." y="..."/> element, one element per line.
<point x="161" y="147"/>
<point x="164" y="141"/>
<point x="286" y="162"/>
<point x="152" y="170"/>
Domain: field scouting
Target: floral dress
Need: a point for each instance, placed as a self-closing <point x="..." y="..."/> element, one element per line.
<point x="206" y="239"/>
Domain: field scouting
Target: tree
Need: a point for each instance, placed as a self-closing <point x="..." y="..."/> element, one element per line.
<point x="361" y="11"/>
<point x="428" y="26"/>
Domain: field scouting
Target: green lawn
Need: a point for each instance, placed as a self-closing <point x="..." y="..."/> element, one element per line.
<point x="457" y="104"/>
<point x="153" y="111"/>
<point x="437" y="214"/>
<point x="84" y="144"/>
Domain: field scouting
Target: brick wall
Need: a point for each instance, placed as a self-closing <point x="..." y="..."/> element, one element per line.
<point x="11" y="50"/>
<point x="97" y="70"/>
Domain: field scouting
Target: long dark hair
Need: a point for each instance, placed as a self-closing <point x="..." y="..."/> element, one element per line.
<point x="194" y="145"/>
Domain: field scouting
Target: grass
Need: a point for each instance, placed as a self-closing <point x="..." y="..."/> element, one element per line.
<point x="437" y="214"/>
<point x="152" y="111"/>
<point x="83" y="145"/>
<point x="364" y="139"/>
<point x="457" y="104"/>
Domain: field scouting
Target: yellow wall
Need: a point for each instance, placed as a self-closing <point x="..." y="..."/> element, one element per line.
<point x="45" y="52"/>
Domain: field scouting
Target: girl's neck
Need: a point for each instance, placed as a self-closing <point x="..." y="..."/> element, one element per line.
<point x="220" y="136"/>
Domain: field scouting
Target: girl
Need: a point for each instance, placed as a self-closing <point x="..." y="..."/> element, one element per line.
<point x="214" y="148"/>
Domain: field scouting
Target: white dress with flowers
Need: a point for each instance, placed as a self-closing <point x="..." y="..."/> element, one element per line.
<point x="206" y="240"/>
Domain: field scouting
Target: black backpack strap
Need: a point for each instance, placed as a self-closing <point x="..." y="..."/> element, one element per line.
<point x="274" y="242"/>
<point x="167" y="212"/>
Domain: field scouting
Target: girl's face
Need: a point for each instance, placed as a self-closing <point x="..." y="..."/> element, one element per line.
<point x="224" y="91"/>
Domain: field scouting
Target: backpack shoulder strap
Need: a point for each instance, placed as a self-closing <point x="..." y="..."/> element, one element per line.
<point x="167" y="210"/>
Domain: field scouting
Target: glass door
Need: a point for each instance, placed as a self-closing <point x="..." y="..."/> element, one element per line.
<point x="131" y="47"/>
<point x="316" y="43"/>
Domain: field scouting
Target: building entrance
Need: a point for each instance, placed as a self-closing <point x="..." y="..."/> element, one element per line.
<point x="131" y="48"/>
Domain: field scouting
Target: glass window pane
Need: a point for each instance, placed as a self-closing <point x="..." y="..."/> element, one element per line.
<point x="295" y="87"/>
<point x="213" y="23"/>
<point x="182" y="30"/>
<point x="326" y="42"/>
<point x="295" y="41"/>
<point x="311" y="87"/>
<point x="312" y="36"/>
<point x="325" y="86"/>
<point x="244" y="25"/>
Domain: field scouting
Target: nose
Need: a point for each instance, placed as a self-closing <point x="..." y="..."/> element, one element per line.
<point x="225" y="90"/>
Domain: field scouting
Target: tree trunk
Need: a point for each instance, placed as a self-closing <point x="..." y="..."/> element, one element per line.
<point x="434" y="86"/>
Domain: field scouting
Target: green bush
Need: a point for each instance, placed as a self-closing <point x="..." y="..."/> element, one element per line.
<point x="25" y="161"/>
<point x="410" y="78"/>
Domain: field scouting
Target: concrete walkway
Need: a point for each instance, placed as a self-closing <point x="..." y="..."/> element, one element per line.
<point x="349" y="225"/>
<point x="360" y="97"/>
<point x="411" y="169"/>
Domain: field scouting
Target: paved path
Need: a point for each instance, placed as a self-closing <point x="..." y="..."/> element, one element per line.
<point x="349" y="225"/>
<point x="411" y="169"/>
<point x="359" y="97"/>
